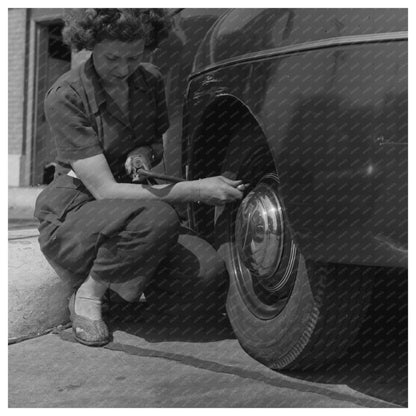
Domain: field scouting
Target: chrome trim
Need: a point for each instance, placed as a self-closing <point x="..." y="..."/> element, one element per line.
<point x="302" y="47"/>
<point x="259" y="234"/>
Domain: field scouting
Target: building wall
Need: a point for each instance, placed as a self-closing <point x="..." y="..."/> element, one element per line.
<point x="22" y="58"/>
<point x="17" y="38"/>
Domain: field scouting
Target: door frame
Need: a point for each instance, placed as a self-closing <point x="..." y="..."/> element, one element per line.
<point x="38" y="19"/>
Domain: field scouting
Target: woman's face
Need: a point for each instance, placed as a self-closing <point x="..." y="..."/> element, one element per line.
<point x="115" y="61"/>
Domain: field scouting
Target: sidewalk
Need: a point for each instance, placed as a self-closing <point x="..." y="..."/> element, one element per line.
<point x="160" y="362"/>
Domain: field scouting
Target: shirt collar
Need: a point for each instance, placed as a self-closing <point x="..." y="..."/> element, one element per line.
<point x="94" y="89"/>
<point x="92" y="85"/>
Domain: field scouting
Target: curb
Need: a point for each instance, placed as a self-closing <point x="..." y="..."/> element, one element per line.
<point x="37" y="297"/>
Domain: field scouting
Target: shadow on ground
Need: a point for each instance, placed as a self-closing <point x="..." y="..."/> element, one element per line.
<point x="376" y="365"/>
<point x="156" y="325"/>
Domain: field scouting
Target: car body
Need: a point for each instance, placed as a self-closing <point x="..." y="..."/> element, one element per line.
<point x="308" y="106"/>
<point x="331" y="103"/>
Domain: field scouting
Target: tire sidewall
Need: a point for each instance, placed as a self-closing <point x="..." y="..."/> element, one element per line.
<point x="279" y="340"/>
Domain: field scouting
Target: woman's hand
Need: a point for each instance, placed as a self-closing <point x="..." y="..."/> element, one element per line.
<point x="219" y="190"/>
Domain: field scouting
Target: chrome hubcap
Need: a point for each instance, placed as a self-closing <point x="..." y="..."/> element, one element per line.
<point x="259" y="235"/>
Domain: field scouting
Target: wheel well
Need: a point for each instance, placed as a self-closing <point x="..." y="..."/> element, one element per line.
<point x="224" y="120"/>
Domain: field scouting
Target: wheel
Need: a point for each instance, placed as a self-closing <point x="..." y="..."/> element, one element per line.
<point x="286" y="312"/>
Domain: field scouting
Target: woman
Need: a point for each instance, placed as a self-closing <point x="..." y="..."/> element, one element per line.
<point x="95" y="226"/>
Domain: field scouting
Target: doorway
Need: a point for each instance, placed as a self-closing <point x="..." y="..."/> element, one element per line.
<point x="53" y="58"/>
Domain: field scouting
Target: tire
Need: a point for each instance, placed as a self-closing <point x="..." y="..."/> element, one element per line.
<point x="286" y="312"/>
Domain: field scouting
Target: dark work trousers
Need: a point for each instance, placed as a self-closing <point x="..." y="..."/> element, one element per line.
<point x="114" y="240"/>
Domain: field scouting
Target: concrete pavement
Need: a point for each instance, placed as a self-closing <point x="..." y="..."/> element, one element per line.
<point x="36" y="296"/>
<point x="160" y="362"/>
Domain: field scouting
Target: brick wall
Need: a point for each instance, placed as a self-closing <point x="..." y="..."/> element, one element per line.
<point x="17" y="50"/>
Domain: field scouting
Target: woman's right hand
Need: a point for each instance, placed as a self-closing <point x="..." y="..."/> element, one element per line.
<point x="219" y="190"/>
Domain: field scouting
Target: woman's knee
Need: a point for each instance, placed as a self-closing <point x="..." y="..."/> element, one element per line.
<point x="161" y="218"/>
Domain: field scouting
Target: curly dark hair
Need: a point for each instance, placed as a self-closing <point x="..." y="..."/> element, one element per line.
<point x="84" y="28"/>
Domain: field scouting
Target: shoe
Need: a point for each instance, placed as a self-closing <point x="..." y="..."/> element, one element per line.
<point x="93" y="333"/>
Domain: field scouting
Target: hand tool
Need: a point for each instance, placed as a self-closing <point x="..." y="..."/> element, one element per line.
<point x="174" y="179"/>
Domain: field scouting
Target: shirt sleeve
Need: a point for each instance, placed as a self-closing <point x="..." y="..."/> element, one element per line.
<point x="70" y="127"/>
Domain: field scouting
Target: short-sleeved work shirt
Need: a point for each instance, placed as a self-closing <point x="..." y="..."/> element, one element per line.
<point x="84" y="121"/>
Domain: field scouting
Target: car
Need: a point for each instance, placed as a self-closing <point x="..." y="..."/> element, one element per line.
<point x="308" y="107"/>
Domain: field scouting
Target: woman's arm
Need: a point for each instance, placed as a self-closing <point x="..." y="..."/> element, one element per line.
<point x="96" y="175"/>
<point x="78" y="144"/>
